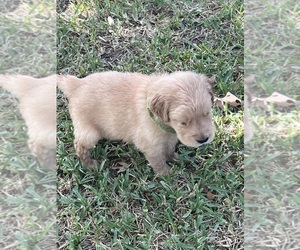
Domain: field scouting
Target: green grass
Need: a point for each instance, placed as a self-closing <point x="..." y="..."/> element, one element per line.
<point x="272" y="158"/>
<point x="28" y="192"/>
<point x="121" y="205"/>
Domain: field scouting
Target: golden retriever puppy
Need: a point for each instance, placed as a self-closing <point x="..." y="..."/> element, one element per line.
<point x="151" y="111"/>
<point x="37" y="104"/>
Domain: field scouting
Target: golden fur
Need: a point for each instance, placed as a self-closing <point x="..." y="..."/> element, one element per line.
<point x="38" y="108"/>
<point x="114" y="106"/>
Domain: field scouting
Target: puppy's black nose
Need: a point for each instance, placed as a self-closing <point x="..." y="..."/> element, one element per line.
<point x="202" y="140"/>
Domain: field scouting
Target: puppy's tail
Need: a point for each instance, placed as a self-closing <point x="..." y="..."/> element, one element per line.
<point x="17" y="85"/>
<point x="67" y="84"/>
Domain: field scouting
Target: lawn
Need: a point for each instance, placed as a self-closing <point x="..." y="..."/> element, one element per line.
<point x="121" y="204"/>
<point x="272" y="158"/>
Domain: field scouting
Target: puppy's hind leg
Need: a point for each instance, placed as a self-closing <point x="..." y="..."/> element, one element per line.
<point x="83" y="143"/>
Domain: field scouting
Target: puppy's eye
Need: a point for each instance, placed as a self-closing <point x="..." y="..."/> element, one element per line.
<point x="183" y="123"/>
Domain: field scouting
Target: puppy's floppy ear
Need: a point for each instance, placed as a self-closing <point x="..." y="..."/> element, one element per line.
<point x="211" y="80"/>
<point x="159" y="107"/>
<point x="212" y="95"/>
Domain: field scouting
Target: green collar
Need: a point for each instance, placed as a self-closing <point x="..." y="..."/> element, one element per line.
<point x="158" y="123"/>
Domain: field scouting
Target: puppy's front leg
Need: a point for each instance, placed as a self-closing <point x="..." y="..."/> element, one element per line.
<point x="158" y="162"/>
<point x="170" y="150"/>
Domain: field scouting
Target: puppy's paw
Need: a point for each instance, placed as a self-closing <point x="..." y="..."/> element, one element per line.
<point x="172" y="157"/>
<point x="45" y="155"/>
<point x="165" y="170"/>
<point x="90" y="163"/>
<point x="85" y="156"/>
<point x="175" y="157"/>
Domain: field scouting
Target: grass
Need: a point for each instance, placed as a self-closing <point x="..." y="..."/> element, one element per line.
<point x="27" y="197"/>
<point x="121" y="205"/>
<point x="272" y="158"/>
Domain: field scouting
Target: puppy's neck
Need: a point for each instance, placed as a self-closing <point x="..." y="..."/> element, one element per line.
<point x="159" y="123"/>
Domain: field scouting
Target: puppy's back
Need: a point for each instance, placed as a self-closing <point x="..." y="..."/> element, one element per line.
<point x="109" y="101"/>
<point x="103" y="82"/>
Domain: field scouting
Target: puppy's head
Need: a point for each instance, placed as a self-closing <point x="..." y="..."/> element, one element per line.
<point x="184" y="102"/>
